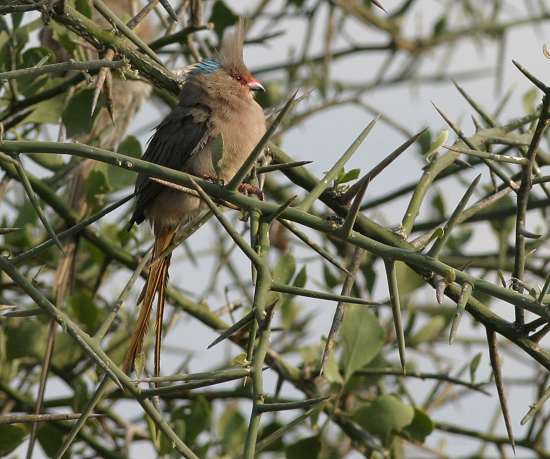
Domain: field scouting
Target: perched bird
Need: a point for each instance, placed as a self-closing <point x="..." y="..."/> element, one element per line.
<point x="213" y="129"/>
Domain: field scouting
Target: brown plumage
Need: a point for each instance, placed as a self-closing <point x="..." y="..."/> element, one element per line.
<point x="214" y="128"/>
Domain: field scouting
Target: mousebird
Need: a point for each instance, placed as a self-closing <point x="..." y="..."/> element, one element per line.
<point x="213" y="129"/>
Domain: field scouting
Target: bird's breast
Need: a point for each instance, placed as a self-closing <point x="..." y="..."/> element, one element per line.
<point x="240" y="132"/>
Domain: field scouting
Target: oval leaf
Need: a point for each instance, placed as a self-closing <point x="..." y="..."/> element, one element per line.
<point x="11" y="436"/>
<point x="306" y="447"/>
<point x="362" y="336"/>
<point x="420" y="427"/>
<point x="384" y="416"/>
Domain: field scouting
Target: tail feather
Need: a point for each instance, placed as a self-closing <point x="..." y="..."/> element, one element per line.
<point x="160" y="313"/>
<point x="156" y="283"/>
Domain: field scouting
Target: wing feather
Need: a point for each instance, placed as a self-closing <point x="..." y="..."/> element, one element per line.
<point x="182" y="134"/>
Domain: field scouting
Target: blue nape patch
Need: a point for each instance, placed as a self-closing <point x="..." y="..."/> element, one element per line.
<point x="205" y="66"/>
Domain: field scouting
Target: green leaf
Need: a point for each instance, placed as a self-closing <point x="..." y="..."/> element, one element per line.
<point x="48" y="112"/>
<point x="332" y="372"/>
<point x="529" y="100"/>
<point x="240" y="360"/>
<point x="84" y="7"/>
<point x="301" y="278"/>
<point x="345" y="177"/>
<point x="26" y="218"/>
<point x="296" y="3"/>
<point x="16" y="19"/>
<point x="30" y="85"/>
<point x="309" y="448"/>
<point x="50" y="438"/>
<point x="50" y="162"/>
<point x="130" y="146"/>
<point x="429" y="331"/>
<point x="77" y="116"/>
<point x="273" y="95"/>
<point x="139" y="363"/>
<point x="458" y="238"/>
<point x="154" y="433"/>
<point x="407" y="280"/>
<point x="503" y="226"/>
<point x="436" y="144"/>
<point x="85" y="310"/>
<point x="197" y="419"/>
<point x="178" y="422"/>
<point x="289" y="309"/>
<point x="425" y="140"/>
<point x="97" y="185"/>
<point x="438" y="204"/>
<point x="474" y="364"/>
<point x="81" y="396"/>
<point x="440" y="26"/>
<point x="331" y="280"/>
<point x="285" y="268"/>
<point x="362" y="337"/>
<point x="11" y="436"/>
<point x="222" y="17"/>
<point x="420" y="427"/>
<point x="232" y="427"/>
<point x="117" y="176"/>
<point x="66" y="353"/>
<point x="65" y="40"/>
<point x="310" y="355"/>
<point x="25" y="338"/>
<point x="165" y="445"/>
<point x="277" y="445"/>
<point x="370" y="276"/>
<point x="384" y="416"/>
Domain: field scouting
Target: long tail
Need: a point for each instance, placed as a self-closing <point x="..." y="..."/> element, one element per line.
<point x="156" y="283"/>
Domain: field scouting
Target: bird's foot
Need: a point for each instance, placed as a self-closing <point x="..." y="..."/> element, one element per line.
<point x="248" y="189"/>
<point x="213" y="179"/>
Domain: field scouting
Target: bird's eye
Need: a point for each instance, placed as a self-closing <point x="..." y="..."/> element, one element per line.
<point x="239" y="78"/>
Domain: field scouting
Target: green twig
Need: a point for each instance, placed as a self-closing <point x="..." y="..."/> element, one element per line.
<point x="396" y="310"/>
<point x="495" y="365"/>
<point x="91" y="347"/>
<point x="371" y="175"/>
<point x="61" y="68"/>
<point x="336" y="169"/>
<point x="24" y="418"/>
<point x="460" y="307"/>
<point x="440" y="243"/>
<point x="421" y="375"/>
<point x="124" y="29"/>
<point x="35" y="203"/>
<point x="522" y="201"/>
<point x="349" y="281"/>
<point x="302" y="404"/>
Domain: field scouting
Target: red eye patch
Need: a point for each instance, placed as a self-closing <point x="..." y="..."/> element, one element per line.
<point x="239" y="78"/>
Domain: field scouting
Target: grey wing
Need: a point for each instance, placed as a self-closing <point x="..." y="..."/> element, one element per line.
<point x="181" y="134"/>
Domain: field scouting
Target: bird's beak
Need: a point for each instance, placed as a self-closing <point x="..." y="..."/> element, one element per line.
<point x="255" y="85"/>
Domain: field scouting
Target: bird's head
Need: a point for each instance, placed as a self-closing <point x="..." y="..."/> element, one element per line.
<point x="227" y="70"/>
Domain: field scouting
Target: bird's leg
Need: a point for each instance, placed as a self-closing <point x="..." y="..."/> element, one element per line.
<point x="245" y="188"/>
<point x="213" y="179"/>
<point x="248" y="188"/>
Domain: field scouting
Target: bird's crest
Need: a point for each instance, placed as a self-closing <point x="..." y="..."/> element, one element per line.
<point x="229" y="59"/>
<point x="231" y="51"/>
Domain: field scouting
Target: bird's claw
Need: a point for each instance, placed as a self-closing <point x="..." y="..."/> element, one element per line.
<point x="248" y="189"/>
<point x="214" y="179"/>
